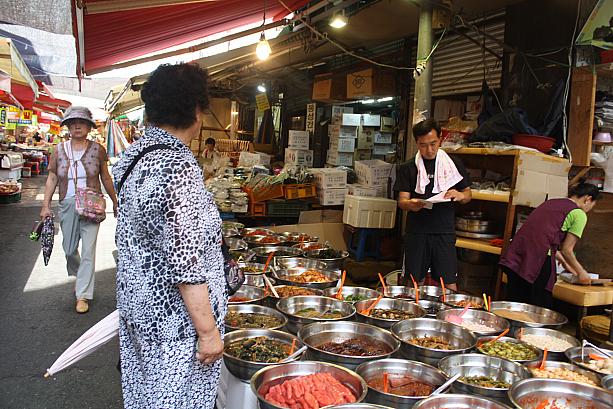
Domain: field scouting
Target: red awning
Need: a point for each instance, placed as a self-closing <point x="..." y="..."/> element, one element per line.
<point x="54" y="102"/>
<point x="116" y="36"/>
<point x="24" y="94"/>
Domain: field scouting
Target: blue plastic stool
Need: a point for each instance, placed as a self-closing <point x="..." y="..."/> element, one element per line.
<point x="359" y="251"/>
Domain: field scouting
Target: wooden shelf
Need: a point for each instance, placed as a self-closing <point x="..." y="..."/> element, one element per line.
<point x="484" y="151"/>
<point x="491" y="197"/>
<point x="479" y="245"/>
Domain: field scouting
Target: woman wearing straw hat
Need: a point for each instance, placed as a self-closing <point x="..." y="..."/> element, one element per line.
<point x="78" y="163"/>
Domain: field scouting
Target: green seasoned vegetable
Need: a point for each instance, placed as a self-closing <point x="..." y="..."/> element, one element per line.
<point x="509" y="350"/>
<point x="259" y="349"/>
<point x="355" y="298"/>
<point x="251" y="320"/>
<point x="484" y="381"/>
<point x="313" y="313"/>
<point x="328" y="254"/>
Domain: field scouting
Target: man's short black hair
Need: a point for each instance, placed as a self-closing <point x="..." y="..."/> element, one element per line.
<point x="424" y="127"/>
<point x="209" y="141"/>
<point x="172" y="94"/>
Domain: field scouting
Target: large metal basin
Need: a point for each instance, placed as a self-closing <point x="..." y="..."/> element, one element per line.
<point x="331" y="263"/>
<point x="387" y="304"/>
<point x="455" y="301"/>
<point x="247" y="232"/>
<point x="271" y="301"/>
<point x="257" y="280"/>
<point x="252" y="268"/>
<point x="459" y="402"/>
<point x="538" y="352"/>
<point x="530" y="393"/>
<point x="292" y="262"/>
<point x="255" y="309"/>
<point x="607" y="382"/>
<point x="236" y="244"/>
<point x="498" y="324"/>
<point x="348" y="291"/>
<point x="432" y="292"/>
<point x="432" y="308"/>
<point x="540" y="317"/>
<point x="290" y="305"/>
<point x="594" y="377"/>
<point x="398" y="291"/>
<point x="244" y="369"/>
<point x="458" y="337"/>
<point x="261" y="253"/>
<point x="469" y="365"/>
<point x="575" y="357"/>
<point x="552" y="355"/>
<point x="421" y="372"/>
<point x="270" y="376"/>
<point x="284" y="277"/>
<point x="260" y="241"/>
<point x="359" y="406"/>
<point x="318" y="333"/>
<point x="255" y="295"/>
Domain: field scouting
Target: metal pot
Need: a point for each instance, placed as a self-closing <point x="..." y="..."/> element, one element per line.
<point x="539" y="317"/>
<point x="261" y="253"/>
<point x="459" y="338"/>
<point x="316" y="334"/>
<point x="243" y="369"/>
<point x="469" y="365"/>
<point x="552" y="355"/>
<point x="455" y="300"/>
<point x="459" y="401"/>
<point x="529" y="393"/>
<point x="387" y="304"/>
<point x="421" y="372"/>
<point x="255" y="295"/>
<point x="497" y="323"/>
<point x="290" y="305"/>
<point x="255" y="309"/>
<point x="362" y="293"/>
<point x="277" y="374"/>
<point x="331" y="263"/>
<point x="594" y="377"/>
<point x="538" y="352"/>
<point x="284" y="277"/>
<point x="475" y="225"/>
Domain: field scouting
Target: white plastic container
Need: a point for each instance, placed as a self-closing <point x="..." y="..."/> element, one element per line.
<point x="369" y="212"/>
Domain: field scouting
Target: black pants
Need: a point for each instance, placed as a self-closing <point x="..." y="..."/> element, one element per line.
<point x="436" y="252"/>
<point x="521" y="290"/>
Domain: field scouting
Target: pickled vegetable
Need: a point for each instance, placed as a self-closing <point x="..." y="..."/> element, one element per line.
<point x="290" y="291"/>
<point x="485" y="382"/>
<point x="391" y="314"/>
<point x="401" y="385"/>
<point x="356" y="347"/>
<point x="355" y="298"/>
<point x="252" y="320"/>
<point x="431" y="342"/>
<point x="309" y="276"/>
<point x="328" y="254"/>
<point x="508" y="350"/>
<point x="313" y="313"/>
<point x="259" y="349"/>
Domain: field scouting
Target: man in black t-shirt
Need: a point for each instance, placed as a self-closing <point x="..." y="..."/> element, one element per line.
<point x="429" y="241"/>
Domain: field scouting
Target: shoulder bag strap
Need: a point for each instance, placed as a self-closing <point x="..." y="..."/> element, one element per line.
<point x="138" y="157"/>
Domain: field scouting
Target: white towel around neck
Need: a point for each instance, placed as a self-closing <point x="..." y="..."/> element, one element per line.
<point x="446" y="173"/>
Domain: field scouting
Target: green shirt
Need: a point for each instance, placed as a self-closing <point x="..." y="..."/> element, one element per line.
<point x="575" y="223"/>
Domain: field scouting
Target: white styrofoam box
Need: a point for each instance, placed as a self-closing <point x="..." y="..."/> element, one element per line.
<point x="383" y="149"/>
<point x="328" y="178"/>
<point x="369" y="212"/>
<point x="383" y="137"/>
<point x="249" y="159"/>
<point x="371" y="120"/>
<point x="298" y="140"/>
<point x="387" y="124"/>
<point x="341" y="109"/>
<point x="299" y="157"/>
<point x="362" y="154"/>
<point x="342" y="144"/>
<point x="361" y="190"/>
<point x="373" y="172"/>
<point x="332" y="197"/>
<point x="339" y="131"/>
<point x="264" y="158"/>
<point x="339" y="158"/>
<point x="366" y="138"/>
<point x="352" y="119"/>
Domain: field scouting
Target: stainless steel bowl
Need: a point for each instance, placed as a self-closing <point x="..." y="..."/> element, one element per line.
<point x="233" y="225"/>
<point x="541" y="317"/>
<point x="261" y="253"/>
<point x="256" y="241"/>
<point x="432" y="308"/>
<point x="474" y="225"/>
<point x="459" y="402"/>
<point x="538" y="352"/>
<point x="574" y="356"/>
<point x="228" y="232"/>
<point x="498" y="324"/>
<point x="358" y="406"/>
<point x="552" y="355"/>
<point x="431" y="292"/>
<point x="530" y="393"/>
<point x="387" y="304"/>
<point x="459" y="338"/>
<point x="284" y="277"/>
<point x="256" y="280"/>
<point x="398" y="291"/>
<point x="291" y="305"/>
<point x="294" y="237"/>
<point x="244" y="369"/>
<point x="255" y="295"/>
<point x="236" y="244"/>
<point x="291" y="262"/>
<point x="255" y="309"/>
<point x="362" y="293"/>
<point x="468" y="365"/>
<point x="453" y="300"/>
<point x="594" y="377"/>
<point x="265" y="378"/>
<point x="393" y="278"/>
<point x="246" y="232"/>
<point x="311" y="245"/>
<point x="256" y="266"/>
<point x="271" y="301"/>
<point x="316" y="334"/>
<point x="421" y="372"/>
<point x="331" y="263"/>
<point x="607" y="382"/>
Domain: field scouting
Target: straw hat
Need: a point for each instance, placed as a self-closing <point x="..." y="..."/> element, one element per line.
<point x="75" y="112"/>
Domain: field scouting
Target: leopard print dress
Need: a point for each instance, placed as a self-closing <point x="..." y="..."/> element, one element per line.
<point x="168" y="233"/>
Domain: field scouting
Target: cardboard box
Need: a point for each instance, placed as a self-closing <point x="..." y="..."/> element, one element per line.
<point x="332" y="197"/>
<point x="383" y="137"/>
<point x="361" y="190"/>
<point x="327" y="232"/>
<point x="339" y="131"/>
<point x="352" y="120"/>
<point x="373" y="172"/>
<point x="329" y="88"/>
<point x="387" y="124"/>
<point x="370" y="82"/>
<point x="383" y="149"/>
<point x="299" y="157"/>
<point x="337" y="114"/>
<point x="342" y="144"/>
<point x="366" y="138"/>
<point x="540" y="177"/>
<point x="371" y="120"/>
<point x="339" y="158"/>
<point x="362" y="154"/>
<point x="298" y="140"/>
<point x="248" y="159"/>
<point x="327" y="178"/>
<point x="321" y="216"/>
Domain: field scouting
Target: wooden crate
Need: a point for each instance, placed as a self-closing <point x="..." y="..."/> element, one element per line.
<point x="257" y="208"/>
<point x="264" y="193"/>
<point x="299" y="191"/>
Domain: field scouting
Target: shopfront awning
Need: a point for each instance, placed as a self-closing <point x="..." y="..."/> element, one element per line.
<point x="112" y="31"/>
<point x="12" y="64"/>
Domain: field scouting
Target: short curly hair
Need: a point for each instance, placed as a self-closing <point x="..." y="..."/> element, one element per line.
<point x="172" y="94"/>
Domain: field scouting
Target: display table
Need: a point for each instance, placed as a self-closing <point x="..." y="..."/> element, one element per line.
<point x="583" y="296"/>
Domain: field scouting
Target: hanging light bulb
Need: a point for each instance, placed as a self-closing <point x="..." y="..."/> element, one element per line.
<point x="338" y="20"/>
<point x="262" y="87"/>
<point x="263" y="48"/>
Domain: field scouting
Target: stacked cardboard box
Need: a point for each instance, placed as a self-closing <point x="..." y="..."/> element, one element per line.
<point x="342" y="133"/>
<point x="374" y="174"/>
<point x="297" y="151"/>
<point x="331" y="185"/>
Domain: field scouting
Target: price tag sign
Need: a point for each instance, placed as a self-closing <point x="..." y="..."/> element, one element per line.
<point x="3" y="116"/>
<point x="261" y="101"/>
<point x="310" y="117"/>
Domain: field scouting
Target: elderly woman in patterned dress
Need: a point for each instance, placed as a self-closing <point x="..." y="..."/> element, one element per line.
<point x="171" y="291"/>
